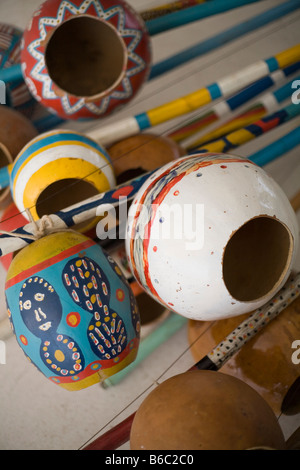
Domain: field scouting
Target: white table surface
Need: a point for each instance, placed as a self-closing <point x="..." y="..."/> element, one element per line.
<point x="36" y="414"/>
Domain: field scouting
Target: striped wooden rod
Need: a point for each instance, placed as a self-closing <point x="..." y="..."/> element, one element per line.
<point x="222" y="118"/>
<point x="225" y="87"/>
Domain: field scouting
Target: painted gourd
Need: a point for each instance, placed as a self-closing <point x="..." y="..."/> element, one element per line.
<point x="71" y="309"/>
<point x="58" y="169"/>
<point x="211" y="236"/>
<point x="84" y="59"/>
<point x="204" y="410"/>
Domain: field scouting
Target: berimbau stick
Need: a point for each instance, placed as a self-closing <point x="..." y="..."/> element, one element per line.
<point x="225" y="37"/>
<point x="255" y="129"/>
<point x="167" y="8"/>
<point x="277" y="148"/>
<point x="192" y="14"/>
<point x="225" y="87"/>
<point x="228" y="115"/>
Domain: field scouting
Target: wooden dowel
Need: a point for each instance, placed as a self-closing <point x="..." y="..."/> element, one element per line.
<point x="228" y="115"/>
<point x="114" y="438"/>
<point x="252" y="131"/>
<point x="225" y="87"/>
<point x="192" y="14"/>
<point x="168" y="8"/>
<point x="277" y="148"/>
<point x="225" y="37"/>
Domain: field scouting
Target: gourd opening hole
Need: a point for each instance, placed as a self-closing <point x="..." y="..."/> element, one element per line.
<point x="256" y="258"/>
<point x="85" y="56"/>
<point x="63" y="193"/>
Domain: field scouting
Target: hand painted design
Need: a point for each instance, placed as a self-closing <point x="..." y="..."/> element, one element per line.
<point x="244" y="134"/>
<point x="88" y="287"/>
<point x="128" y="26"/>
<point x="66" y="218"/>
<point x="134" y="309"/>
<point x="41" y="311"/>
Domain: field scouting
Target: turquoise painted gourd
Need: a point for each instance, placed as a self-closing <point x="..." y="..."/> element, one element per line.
<point x="71" y="309"/>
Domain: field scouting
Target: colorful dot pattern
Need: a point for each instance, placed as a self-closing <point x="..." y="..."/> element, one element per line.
<point x="41" y="311"/>
<point x="88" y="286"/>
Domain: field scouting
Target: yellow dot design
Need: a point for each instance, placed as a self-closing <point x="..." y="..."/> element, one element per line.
<point x="59" y="355"/>
<point x="118" y="270"/>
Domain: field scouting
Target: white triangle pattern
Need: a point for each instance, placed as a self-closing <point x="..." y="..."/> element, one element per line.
<point x="38" y="71"/>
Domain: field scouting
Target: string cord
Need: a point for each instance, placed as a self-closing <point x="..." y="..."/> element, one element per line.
<point x="172" y="128"/>
<point x="153" y="384"/>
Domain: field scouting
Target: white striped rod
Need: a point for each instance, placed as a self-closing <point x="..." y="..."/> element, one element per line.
<point x="225" y="87"/>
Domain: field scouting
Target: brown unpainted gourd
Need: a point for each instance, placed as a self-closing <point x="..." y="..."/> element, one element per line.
<point x="205" y="410"/>
<point x="15" y="131"/>
<point x="140" y="153"/>
<point x="265" y="362"/>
